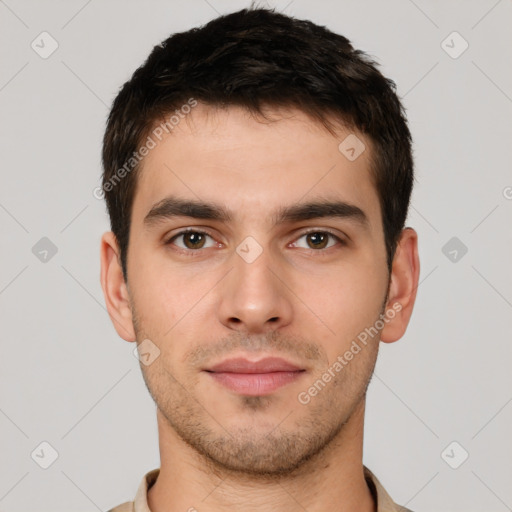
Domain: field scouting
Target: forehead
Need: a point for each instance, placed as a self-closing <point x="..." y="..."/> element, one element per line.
<point x="255" y="167"/>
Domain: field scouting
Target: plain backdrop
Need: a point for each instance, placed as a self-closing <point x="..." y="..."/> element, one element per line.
<point x="72" y="397"/>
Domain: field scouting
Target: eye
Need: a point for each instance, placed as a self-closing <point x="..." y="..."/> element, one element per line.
<point x="191" y="240"/>
<point x="317" y="240"/>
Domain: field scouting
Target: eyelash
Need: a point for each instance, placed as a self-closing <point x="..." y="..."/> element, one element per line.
<point x="193" y="252"/>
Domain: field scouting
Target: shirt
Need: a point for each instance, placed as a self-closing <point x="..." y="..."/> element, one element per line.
<point x="140" y="504"/>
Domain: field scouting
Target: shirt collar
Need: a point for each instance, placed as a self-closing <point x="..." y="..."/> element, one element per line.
<point x="380" y="495"/>
<point x="382" y="498"/>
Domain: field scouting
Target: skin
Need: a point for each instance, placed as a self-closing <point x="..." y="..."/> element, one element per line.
<point x="201" y="302"/>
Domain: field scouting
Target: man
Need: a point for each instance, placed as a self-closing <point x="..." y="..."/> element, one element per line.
<point x="257" y="173"/>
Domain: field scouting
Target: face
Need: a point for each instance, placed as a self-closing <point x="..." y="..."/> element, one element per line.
<point x="252" y="297"/>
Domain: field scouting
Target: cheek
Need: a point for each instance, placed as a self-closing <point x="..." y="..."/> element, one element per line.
<point x="347" y="303"/>
<point x="157" y="298"/>
<point x="171" y="304"/>
<point x="157" y="286"/>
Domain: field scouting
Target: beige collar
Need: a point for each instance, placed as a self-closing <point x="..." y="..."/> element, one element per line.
<point x="140" y="504"/>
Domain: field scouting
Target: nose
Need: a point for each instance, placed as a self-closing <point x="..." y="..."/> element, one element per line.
<point x="255" y="297"/>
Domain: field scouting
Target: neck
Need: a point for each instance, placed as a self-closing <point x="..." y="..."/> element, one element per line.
<point x="332" y="480"/>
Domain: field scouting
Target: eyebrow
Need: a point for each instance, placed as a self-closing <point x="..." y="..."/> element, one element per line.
<point x="171" y="207"/>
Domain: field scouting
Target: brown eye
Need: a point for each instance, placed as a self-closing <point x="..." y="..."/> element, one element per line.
<point x="318" y="240"/>
<point x="191" y="240"/>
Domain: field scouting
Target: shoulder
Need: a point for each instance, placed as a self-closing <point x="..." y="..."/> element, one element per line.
<point x="124" y="507"/>
<point x="383" y="500"/>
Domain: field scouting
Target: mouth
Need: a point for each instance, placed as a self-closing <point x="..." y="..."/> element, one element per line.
<point x="255" y="378"/>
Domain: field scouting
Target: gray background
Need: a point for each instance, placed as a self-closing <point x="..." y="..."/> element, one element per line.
<point x="66" y="377"/>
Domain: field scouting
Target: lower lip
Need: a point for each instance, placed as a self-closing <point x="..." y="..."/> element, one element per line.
<point x="255" y="384"/>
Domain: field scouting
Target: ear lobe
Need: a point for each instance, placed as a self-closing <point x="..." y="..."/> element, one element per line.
<point x="403" y="286"/>
<point x="115" y="291"/>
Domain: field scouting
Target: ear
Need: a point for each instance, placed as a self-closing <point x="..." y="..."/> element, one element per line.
<point x="403" y="285"/>
<point x="114" y="287"/>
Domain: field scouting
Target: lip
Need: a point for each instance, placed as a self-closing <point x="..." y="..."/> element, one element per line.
<point x="265" y="365"/>
<point x="254" y="378"/>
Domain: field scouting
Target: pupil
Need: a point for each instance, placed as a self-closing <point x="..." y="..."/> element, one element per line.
<point x="318" y="239"/>
<point x="193" y="239"/>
